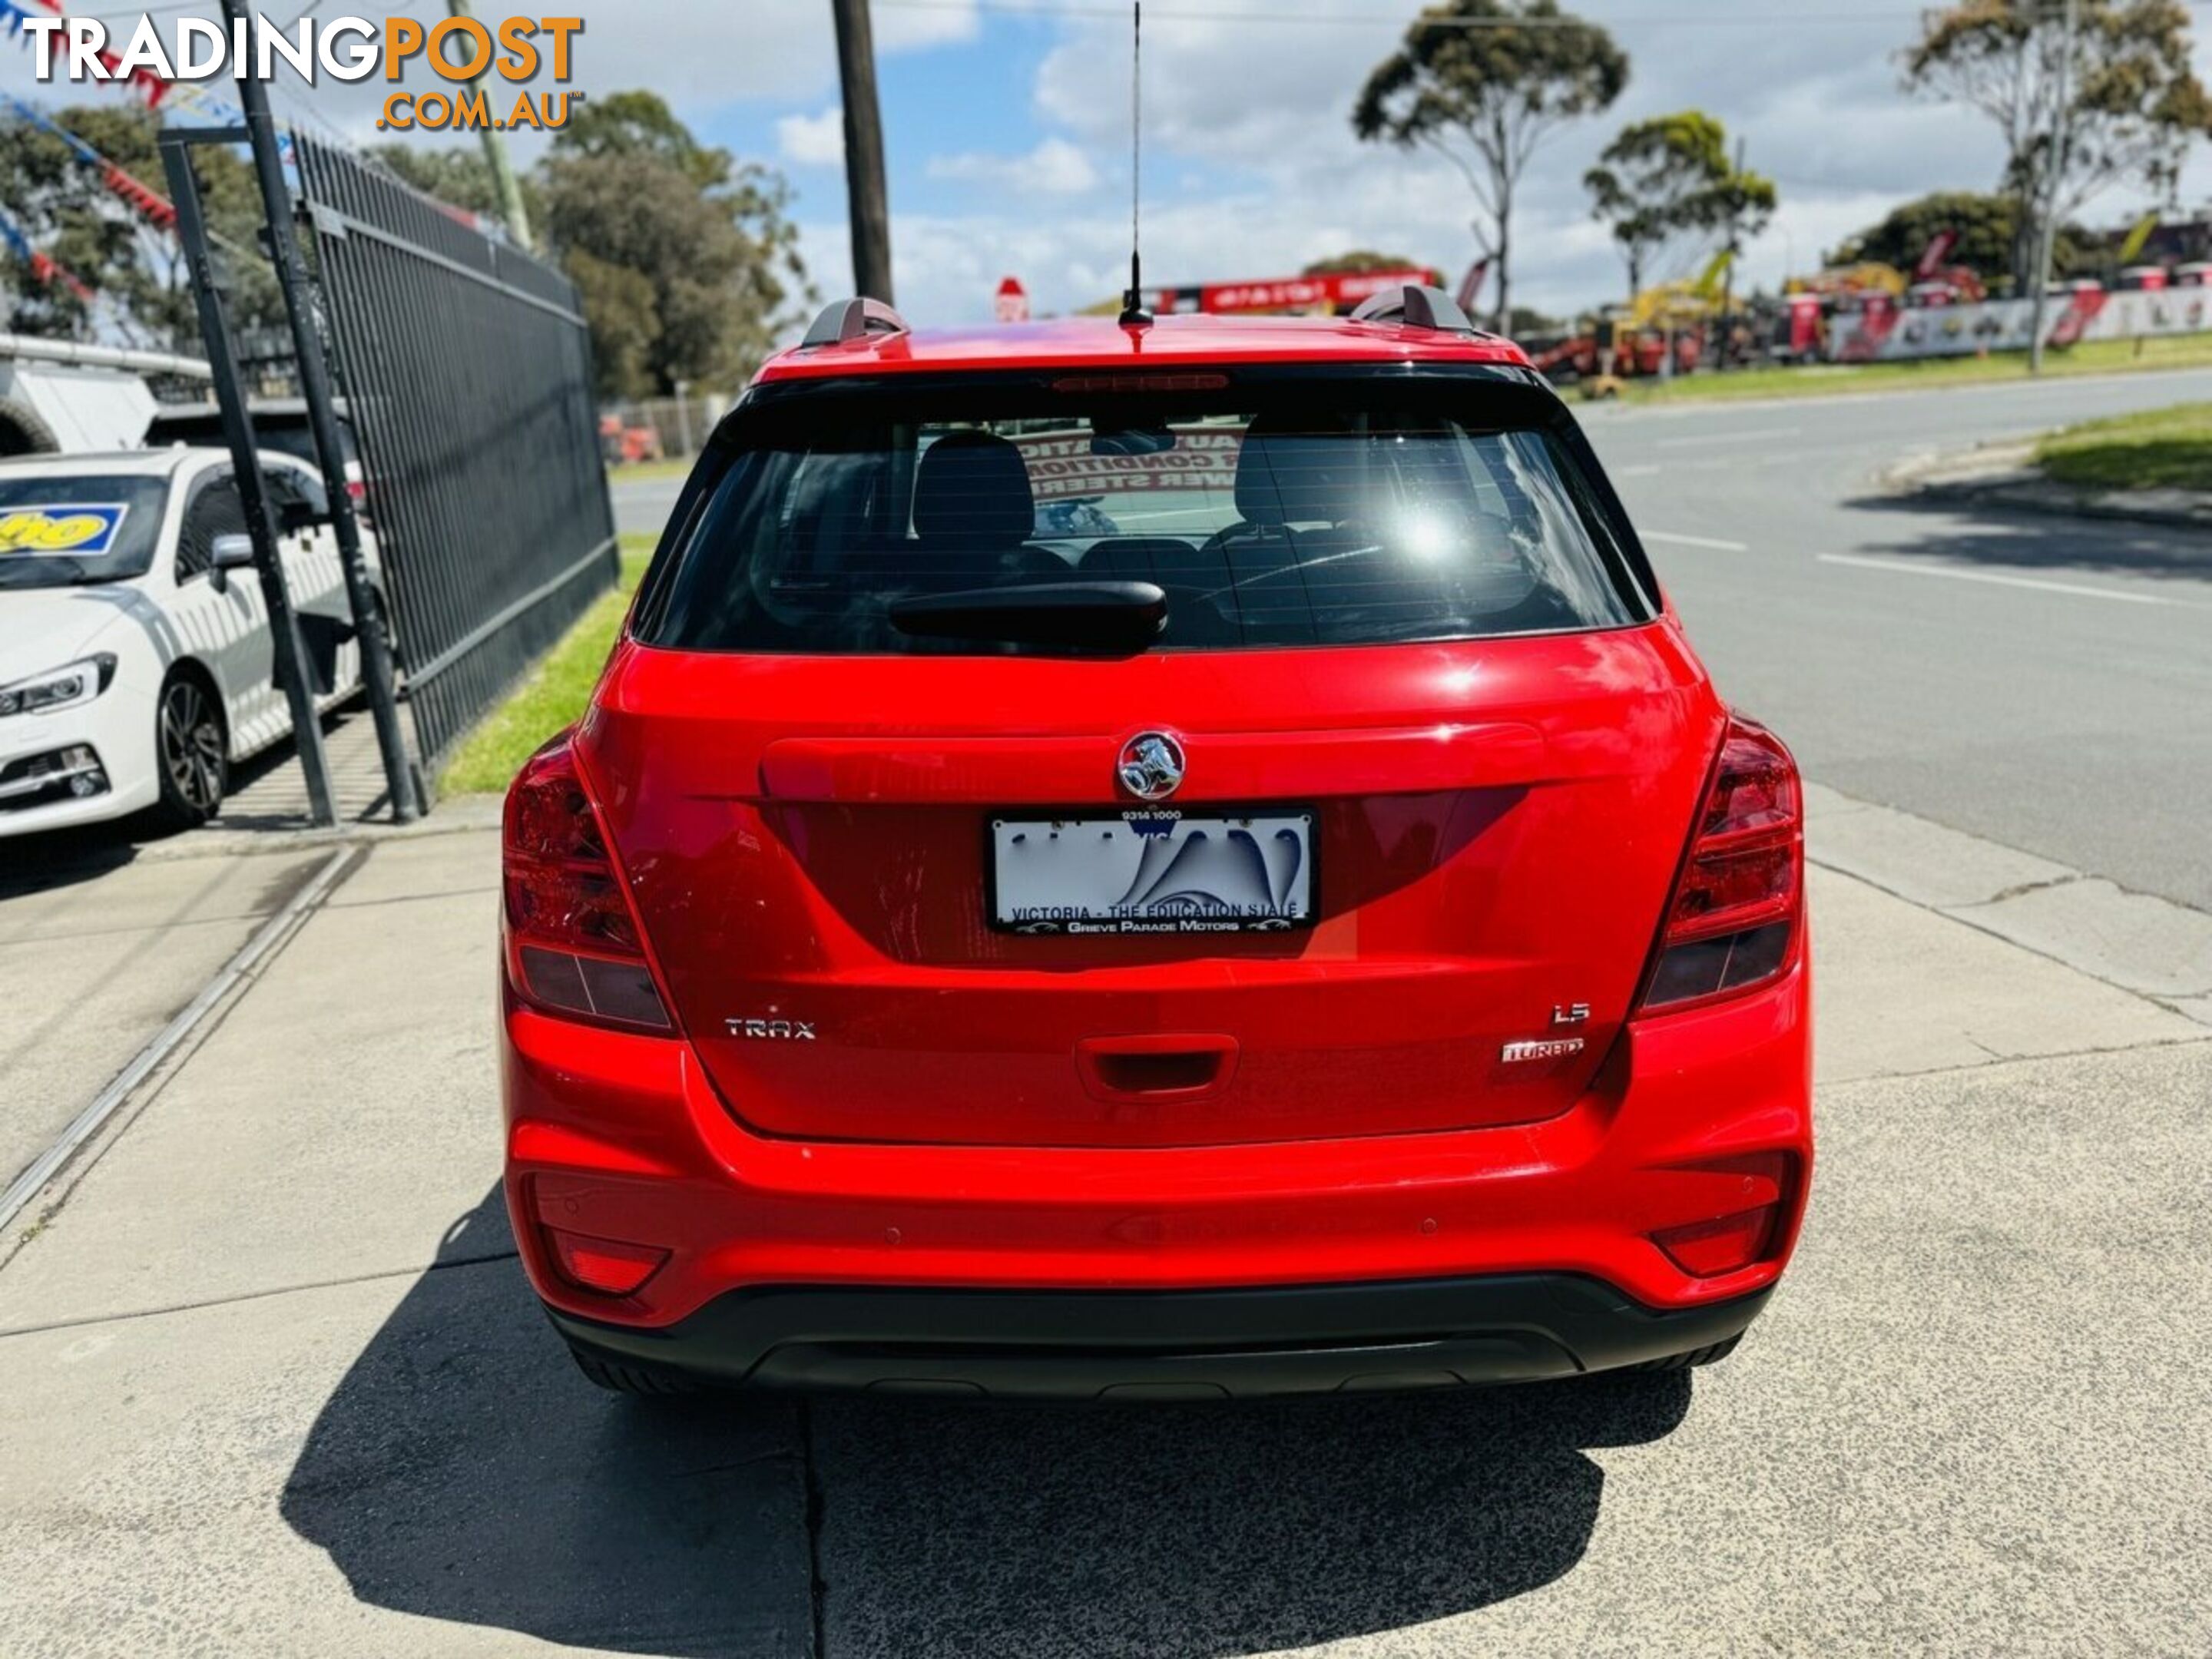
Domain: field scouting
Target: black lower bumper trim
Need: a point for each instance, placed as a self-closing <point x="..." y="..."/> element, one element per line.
<point x="1167" y="1345"/>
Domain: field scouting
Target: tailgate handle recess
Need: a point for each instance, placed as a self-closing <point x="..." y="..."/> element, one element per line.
<point x="1166" y="1067"/>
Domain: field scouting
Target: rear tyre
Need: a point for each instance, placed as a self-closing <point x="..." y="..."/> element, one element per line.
<point x="1711" y="1355"/>
<point x="191" y="751"/>
<point x="620" y="1377"/>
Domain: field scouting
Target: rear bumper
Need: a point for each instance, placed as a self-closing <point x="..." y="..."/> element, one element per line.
<point x="621" y="1137"/>
<point x="1168" y="1344"/>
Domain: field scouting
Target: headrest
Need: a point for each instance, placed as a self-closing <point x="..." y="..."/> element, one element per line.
<point x="973" y="488"/>
<point x="1292" y="473"/>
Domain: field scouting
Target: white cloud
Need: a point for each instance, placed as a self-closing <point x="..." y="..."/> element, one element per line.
<point x="1055" y="168"/>
<point x="812" y="141"/>
<point x="946" y="266"/>
<point x="1261" y="91"/>
<point x="1251" y="166"/>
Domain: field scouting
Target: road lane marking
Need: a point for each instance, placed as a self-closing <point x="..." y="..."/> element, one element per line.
<point x="2065" y="385"/>
<point x="1644" y="470"/>
<point x="1714" y="543"/>
<point x="87" y="1123"/>
<point x="1764" y="434"/>
<point x="2074" y="588"/>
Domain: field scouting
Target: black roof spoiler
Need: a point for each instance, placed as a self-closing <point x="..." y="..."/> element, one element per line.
<point x="850" y="320"/>
<point x="1416" y="305"/>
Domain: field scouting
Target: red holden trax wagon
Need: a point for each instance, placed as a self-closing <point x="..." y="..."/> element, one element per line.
<point x="1152" y="860"/>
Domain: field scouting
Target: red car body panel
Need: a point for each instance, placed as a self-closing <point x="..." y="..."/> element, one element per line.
<point x="1501" y="827"/>
<point x="1175" y="344"/>
<point x="1500" y="823"/>
<point x="622" y="1136"/>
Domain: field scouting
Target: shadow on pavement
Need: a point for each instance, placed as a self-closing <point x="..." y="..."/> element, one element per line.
<point x="462" y="1471"/>
<point x="1186" y="1532"/>
<point x="63" y="858"/>
<point x="2022" y="540"/>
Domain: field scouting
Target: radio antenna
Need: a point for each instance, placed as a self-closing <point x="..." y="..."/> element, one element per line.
<point x="1133" y="314"/>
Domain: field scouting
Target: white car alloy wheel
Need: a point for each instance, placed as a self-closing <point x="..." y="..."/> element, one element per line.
<point x="189" y="737"/>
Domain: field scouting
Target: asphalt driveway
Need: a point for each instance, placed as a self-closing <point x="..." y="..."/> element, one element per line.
<point x="276" y="1385"/>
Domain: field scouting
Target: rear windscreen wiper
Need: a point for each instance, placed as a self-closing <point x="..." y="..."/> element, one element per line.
<point x="1097" y="615"/>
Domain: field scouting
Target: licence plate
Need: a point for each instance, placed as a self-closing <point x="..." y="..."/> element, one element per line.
<point x="1152" y="872"/>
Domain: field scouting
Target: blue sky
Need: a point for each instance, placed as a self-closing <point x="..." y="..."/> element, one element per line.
<point x="1007" y="125"/>
<point x="1007" y="135"/>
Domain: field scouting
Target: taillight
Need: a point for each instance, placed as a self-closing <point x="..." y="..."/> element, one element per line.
<point x="572" y="941"/>
<point x="1732" y="922"/>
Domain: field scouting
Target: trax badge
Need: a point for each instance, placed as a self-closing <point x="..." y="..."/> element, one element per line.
<point x="782" y="1031"/>
<point x="1151" y="767"/>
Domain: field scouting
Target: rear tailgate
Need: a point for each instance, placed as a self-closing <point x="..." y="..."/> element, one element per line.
<point x="1495" y="827"/>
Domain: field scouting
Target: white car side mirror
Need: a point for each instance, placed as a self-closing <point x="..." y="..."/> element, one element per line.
<point x="230" y="553"/>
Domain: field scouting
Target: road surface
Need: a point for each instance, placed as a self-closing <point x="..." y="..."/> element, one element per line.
<point x="2043" y="681"/>
<point x="276" y="1385"/>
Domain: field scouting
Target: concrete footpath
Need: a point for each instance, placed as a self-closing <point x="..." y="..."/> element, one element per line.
<point x="275" y="1386"/>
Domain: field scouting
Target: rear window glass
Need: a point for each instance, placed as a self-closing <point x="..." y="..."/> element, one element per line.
<point x="1294" y="524"/>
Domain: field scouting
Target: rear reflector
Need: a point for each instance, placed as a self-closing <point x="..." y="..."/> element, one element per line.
<point x="604" y="1267"/>
<point x="1732" y="922"/>
<point x="1707" y="1249"/>
<point x="571" y="938"/>
<point x="1710" y="1249"/>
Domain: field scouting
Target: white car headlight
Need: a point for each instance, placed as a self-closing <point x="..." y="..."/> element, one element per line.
<point x="66" y="686"/>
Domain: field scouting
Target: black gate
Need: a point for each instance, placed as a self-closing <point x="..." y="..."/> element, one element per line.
<point x="467" y="371"/>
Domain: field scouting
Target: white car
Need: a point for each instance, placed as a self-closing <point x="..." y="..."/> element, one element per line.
<point x="136" y="658"/>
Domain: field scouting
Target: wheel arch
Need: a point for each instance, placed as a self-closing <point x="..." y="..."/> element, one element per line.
<point x="187" y="666"/>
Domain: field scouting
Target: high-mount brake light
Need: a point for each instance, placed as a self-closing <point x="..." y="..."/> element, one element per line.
<point x="1733" y="921"/>
<point x="1111" y="383"/>
<point x="571" y="942"/>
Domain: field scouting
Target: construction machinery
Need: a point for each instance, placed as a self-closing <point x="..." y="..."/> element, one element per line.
<point x="1661" y="329"/>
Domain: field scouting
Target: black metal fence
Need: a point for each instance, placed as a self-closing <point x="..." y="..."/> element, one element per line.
<point x="467" y="370"/>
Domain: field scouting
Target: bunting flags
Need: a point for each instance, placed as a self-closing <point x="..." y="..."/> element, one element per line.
<point x="43" y="267"/>
<point x="150" y="87"/>
<point x="148" y="203"/>
<point x="157" y="93"/>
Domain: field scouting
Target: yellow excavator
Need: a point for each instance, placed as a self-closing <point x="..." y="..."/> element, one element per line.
<point x="1663" y="322"/>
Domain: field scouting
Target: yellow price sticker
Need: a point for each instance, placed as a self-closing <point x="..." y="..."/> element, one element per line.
<point x="72" y="529"/>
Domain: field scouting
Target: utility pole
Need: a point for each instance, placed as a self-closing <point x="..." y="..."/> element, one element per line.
<point x="2062" y="131"/>
<point x="502" y="170"/>
<point x="288" y="652"/>
<point x="867" y="204"/>
<point x="1728" y="270"/>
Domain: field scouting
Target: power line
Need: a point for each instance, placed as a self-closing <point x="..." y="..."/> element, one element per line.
<point x="1080" y="9"/>
<point x="142" y="11"/>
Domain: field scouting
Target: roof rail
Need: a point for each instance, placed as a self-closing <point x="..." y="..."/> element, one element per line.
<point x="849" y="319"/>
<point x="1416" y="305"/>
